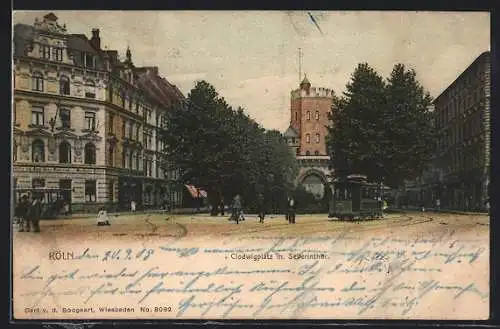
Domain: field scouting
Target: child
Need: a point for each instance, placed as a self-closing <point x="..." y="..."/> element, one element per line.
<point x="102" y="217"/>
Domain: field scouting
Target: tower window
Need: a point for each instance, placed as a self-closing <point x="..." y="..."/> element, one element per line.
<point x="296" y="116"/>
<point x="317" y="115"/>
<point x="317" y="138"/>
<point x="308" y="115"/>
<point x="308" y="138"/>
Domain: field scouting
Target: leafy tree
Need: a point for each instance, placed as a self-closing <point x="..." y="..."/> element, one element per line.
<point x="381" y="129"/>
<point x="224" y="151"/>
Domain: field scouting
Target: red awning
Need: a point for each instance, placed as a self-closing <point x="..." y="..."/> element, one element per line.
<point x="196" y="192"/>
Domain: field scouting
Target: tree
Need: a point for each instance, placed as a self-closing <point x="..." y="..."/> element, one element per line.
<point x="356" y="126"/>
<point x="381" y="129"/>
<point x="224" y="151"/>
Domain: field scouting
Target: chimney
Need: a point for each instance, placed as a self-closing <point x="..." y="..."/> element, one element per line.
<point x="96" y="40"/>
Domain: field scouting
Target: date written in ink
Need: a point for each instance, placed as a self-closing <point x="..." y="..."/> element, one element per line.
<point x="117" y="254"/>
<point x="156" y="309"/>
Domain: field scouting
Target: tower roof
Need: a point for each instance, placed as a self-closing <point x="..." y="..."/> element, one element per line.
<point x="305" y="81"/>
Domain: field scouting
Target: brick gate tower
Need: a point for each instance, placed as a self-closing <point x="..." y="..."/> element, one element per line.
<point x="307" y="132"/>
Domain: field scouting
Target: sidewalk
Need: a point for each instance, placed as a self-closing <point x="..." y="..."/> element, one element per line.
<point x="130" y="213"/>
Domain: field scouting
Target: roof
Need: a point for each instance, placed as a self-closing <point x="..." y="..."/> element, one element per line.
<point x="23" y="37"/>
<point x="305" y="81"/>
<point x="81" y="43"/>
<point x="291" y="132"/>
<point x="157" y="87"/>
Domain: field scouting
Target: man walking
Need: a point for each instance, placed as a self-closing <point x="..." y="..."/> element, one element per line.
<point x="34" y="214"/>
<point x="236" y="208"/>
<point x="261" y="208"/>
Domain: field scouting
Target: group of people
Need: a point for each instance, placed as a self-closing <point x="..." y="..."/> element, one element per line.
<point x="237" y="211"/>
<point x="28" y="212"/>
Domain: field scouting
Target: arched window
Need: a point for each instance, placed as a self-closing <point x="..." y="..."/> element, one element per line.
<point x="308" y="138"/>
<point x="317" y="115"/>
<point x="37" y="81"/>
<point x="38" y="151"/>
<point x="64" y="85"/>
<point x="89" y="153"/>
<point x="111" y="156"/>
<point x="317" y="138"/>
<point x="308" y="115"/>
<point x="89" y="89"/>
<point x="308" y="153"/>
<point x="316" y="152"/>
<point x="64" y="152"/>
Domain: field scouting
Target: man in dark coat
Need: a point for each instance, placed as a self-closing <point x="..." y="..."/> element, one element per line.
<point x="34" y="214"/>
<point x="261" y="208"/>
<point x="21" y="212"/>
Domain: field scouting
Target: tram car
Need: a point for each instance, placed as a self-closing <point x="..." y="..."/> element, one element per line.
<point x="354" y="197"/>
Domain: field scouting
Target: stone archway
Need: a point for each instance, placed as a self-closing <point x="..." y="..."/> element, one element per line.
<point x="314" y="181"/>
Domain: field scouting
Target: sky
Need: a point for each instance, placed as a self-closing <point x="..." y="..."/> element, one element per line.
<point x="251" y="57"/>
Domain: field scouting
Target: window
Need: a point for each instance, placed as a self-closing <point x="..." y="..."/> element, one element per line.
<point x="123" y="99"/>
<point x="37" y="81"/>
<point x="317" y="138"/>
<point x="90" y="191"/>
<point x="296" y="116"/>
<point x="124" y="126"/>
<point x="130" y="159"/>
<point x="147" y="141"/>
<point x="308" y="115"/>
<point x="124" y="158"/>
<point x="308" y="138"/>
<point x="45" y="51"/>
<point x="38" y="151"/>
<point x="89" y="89"/>
<point x="90" y="121"/>
<point x="88" y="60"/>
<point x="64" y="85"/>
<point x="130" y="104"/>
<point x="137" y="133"/>
<point x="297" y="151"/>
<point x="316" y="152"/>
<point x="111" y="156"/>
<point x="131" y="130"/>
<point x="317" y="115"/>
<point x="137" y="160"/>
<point x="64" y="152"/>
<point x="57" y="54"/>
<point x="308" y="153"/>
<point x="37" y="116"/>
<point x="89" y="153"/>
<point x="65" y="117"/>
<point x="294" y="140"/>
<point x="38" y="182"/>
<point x="137" y="107"/>
<point x="111" y="123"/>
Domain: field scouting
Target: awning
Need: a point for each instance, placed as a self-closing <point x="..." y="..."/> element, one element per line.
<point x="196" y="192"/>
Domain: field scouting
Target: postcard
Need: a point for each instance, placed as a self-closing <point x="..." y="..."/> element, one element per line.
<point x="250" y="165"/>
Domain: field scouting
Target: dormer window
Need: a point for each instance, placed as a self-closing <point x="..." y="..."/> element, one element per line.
<point x="88" y="60"/>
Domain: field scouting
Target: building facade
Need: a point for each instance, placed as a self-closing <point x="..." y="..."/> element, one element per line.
<point x="306" y="135"/>
<point x="462" y="119"/>
<point x="79" y="118"/>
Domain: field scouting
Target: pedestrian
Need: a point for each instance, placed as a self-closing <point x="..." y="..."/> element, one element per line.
<point x="34" y="214"/>
<point x="236" y="208"/>
<point x="66" y="209"/>
<point x="102" y="217"/>
<point x="291" y="210"/>
<point x="132" y="205"/>
<point x="261" y="209"/>
<point x="222" y="206"/>
<point x="21" y="212"/>
<point x="438" y="204"/>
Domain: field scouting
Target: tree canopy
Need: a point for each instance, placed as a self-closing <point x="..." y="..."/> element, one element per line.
<point x="381" y="127"/>
<point x="225" y="152"/>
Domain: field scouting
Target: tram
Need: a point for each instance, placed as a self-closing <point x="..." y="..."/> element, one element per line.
<point x="53" y="198"/>
<point x="354" y="197"/>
